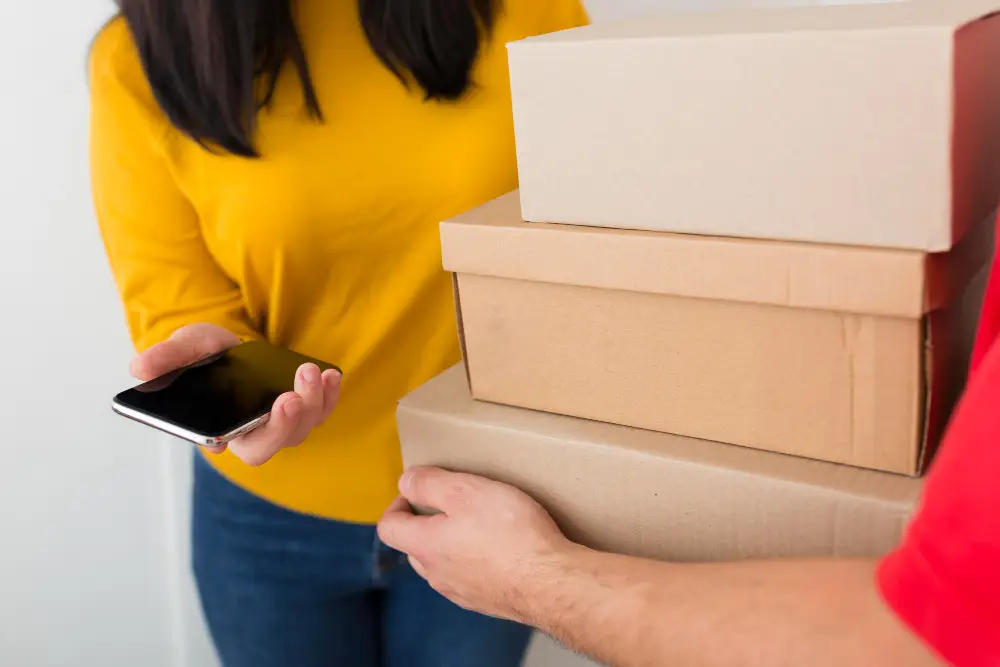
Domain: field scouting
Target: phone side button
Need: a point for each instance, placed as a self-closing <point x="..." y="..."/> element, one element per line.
<point x="255" y="424"/>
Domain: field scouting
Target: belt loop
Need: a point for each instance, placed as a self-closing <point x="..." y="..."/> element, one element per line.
<point x="378" y="569"/>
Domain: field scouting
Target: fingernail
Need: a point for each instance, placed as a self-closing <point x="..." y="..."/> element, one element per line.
<point x="293" y="408"/>
<point x="310" y="373"/>
<point x="405" y="481"/>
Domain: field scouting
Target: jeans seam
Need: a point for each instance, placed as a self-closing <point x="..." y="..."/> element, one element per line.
<point x="377" y="573"/>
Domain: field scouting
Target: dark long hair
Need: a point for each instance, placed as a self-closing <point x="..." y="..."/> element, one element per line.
<point x="214" y="64"/>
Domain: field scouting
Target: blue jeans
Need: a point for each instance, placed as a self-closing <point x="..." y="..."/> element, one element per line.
<point x="281" y="589"/>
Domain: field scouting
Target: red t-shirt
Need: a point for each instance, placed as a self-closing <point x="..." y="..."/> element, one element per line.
<point x="944" y="580"/>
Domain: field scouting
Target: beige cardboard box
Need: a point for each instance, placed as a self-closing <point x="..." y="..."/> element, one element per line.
<point x="656" y="495"/>
<point x="862" y="125"/>
<point x="844" y="354"/>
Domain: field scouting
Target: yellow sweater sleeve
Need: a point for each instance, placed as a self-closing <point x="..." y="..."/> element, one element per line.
<point x="563" y="14"/>
<point x="576" y="15"/>
<point x="165" y="274"/>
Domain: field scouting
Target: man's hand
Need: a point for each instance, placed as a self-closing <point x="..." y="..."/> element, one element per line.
<point x="496" y="551"/>
<point x="488" y="543"/>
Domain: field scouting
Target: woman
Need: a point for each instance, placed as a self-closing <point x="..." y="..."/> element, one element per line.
<point x="278" y="169"/>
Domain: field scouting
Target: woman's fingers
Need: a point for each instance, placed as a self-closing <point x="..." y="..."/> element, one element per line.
<point x="185" y="347"/>
<point x="160" y="360"/>
<point x="320" y="399"/>
<point x="260" y="445"/>
<point x="331" y="391"/>
<point x="309" y="385"/>
<point x="293" y="416"/>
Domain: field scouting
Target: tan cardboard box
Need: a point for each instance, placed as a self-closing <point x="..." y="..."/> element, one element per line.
<point x="655" y="495"/>
<point x="862" y="125"/>
<point x="844" y="354"/>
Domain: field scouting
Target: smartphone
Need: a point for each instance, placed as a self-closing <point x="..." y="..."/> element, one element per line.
<point x="218" y="399"/>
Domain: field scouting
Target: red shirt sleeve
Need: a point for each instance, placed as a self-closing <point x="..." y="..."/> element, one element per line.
<point x="944" y="580"/>
<point x="989" y="320"/>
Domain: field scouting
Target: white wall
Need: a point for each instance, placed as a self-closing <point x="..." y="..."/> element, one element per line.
<point x="83" y="565"/>
<point x="604" y="10"/>
<point x="93" y="539"/>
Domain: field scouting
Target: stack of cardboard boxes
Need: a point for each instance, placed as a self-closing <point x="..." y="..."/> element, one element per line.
<point x="761" y="228"/>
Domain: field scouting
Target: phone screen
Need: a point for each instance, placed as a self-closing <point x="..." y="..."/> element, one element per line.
<point x="222" y="393"/>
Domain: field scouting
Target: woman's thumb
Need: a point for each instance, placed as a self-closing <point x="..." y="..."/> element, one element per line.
<point x="184" y="348"/>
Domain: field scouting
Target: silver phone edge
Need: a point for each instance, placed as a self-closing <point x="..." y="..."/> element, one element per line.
<point x="185" y="434"/>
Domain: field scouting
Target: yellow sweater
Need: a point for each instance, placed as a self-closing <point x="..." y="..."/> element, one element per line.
<point x="328" y="245"/>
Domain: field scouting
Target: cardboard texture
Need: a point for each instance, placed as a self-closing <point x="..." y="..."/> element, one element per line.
<point x="862" y="125"/>
<point x="655" y="495"/>
<point x="851" y="355"/>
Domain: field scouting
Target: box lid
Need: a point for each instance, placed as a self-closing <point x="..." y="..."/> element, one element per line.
<point x="658" y="495"/>
<point x="493" y="240"/>
<point x="927" y="16"/>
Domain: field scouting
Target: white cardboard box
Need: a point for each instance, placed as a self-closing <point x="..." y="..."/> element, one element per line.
<point x="862" y="125"/>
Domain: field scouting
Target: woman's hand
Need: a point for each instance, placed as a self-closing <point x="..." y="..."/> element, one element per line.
<point x="294" y="414"/>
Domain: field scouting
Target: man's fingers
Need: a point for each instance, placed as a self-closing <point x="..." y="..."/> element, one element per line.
<point x="418" y="567"/>
<point x="399" y="505"/>
<point x="401" y="529"/>
<point x="259" y="446"/>
<point x="215" y="450"/>
<point x="438" y="489"/>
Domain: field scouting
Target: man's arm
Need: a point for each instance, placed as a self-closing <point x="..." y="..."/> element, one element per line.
<point x="631" y="612"/>
<point x="496" y="551"/>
